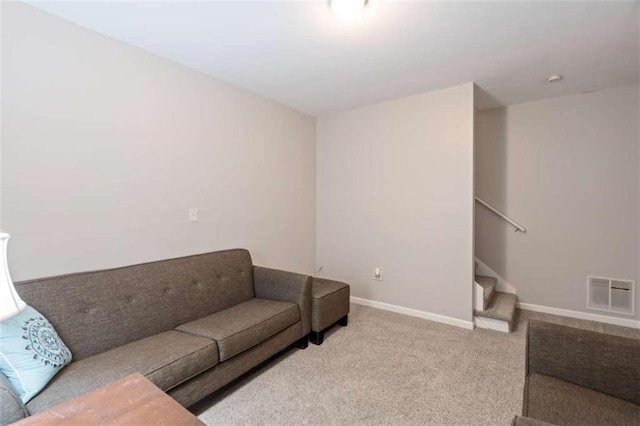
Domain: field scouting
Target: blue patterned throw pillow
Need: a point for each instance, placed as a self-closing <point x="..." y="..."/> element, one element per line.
<point x="31" y="352"/>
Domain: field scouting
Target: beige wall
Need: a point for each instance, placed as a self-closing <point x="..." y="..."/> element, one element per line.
<point x="566" y="169"/>
<point x="395" y="190"/>
<point x="106" y="148"/>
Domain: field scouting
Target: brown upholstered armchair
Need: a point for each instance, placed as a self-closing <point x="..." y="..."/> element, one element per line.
<point x="580" y="377"/>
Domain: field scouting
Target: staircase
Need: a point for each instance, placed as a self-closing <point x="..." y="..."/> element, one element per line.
<point x="494" y="310"/>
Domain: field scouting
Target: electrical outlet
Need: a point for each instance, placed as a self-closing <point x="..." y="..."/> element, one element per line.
<point x="377" y="274"/>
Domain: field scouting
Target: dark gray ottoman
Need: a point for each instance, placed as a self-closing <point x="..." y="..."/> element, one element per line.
<point x="329" y="305"/>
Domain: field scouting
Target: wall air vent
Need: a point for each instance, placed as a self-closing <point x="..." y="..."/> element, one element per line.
<point x="611" y="295"/>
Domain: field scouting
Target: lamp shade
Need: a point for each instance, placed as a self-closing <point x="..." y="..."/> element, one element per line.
<point x="10" y="302"/>
<point x="347" y="10"/>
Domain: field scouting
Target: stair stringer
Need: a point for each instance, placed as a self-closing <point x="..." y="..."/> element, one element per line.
<point x="478" y="297"/>
<point x="503" y="285"/>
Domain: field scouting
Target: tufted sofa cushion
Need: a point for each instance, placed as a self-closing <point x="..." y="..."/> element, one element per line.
<point x="98" y="311"/>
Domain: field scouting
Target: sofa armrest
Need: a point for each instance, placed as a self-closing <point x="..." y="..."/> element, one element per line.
<point x="11" y="407"/>
<point x="598" y="361"/>
<point x="285" y="287"/>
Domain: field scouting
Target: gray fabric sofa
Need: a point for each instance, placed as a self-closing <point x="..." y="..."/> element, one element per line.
<point x="190" y="325"/>
<point x="580" y="377"/>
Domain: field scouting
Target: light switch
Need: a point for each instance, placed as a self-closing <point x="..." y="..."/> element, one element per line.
<point x="193" y="215"/>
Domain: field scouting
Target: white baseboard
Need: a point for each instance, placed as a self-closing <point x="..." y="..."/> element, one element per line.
<point x="413" y="312"/>
<point x="624" y="322"/>
<point x="492" y="324"/>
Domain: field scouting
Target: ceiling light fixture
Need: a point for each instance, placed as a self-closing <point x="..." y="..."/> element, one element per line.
<point x="554" y="78"/>
<point x="347" y="10"/>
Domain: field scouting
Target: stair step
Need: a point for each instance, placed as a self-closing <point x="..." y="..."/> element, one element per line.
<point x="488" y="285"/>
<point x="502" y="307"/>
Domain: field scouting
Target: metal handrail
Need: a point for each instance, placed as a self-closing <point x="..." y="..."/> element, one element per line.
<point x="502" y="215"/>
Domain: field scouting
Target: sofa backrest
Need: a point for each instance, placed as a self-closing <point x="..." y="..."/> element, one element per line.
<point x="97" y="311"/>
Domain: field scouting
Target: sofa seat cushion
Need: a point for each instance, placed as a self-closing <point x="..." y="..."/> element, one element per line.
<point x="245" y="325"/>
<point x="166" y="359"/>
<point x="556" y="401"/>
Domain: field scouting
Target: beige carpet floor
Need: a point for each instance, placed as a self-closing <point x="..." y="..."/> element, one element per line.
<point x="388" y="369"/>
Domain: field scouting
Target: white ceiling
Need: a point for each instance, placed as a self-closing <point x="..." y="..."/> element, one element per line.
<point x="299" y="54"/>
